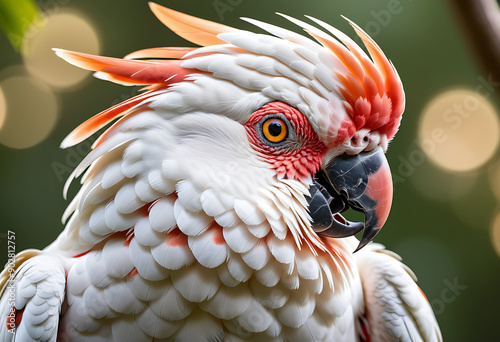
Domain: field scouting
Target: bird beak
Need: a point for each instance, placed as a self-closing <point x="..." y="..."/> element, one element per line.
<point x="362" y="182"/>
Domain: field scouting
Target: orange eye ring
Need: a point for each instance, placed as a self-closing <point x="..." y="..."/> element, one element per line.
<point x="275" y="130"/>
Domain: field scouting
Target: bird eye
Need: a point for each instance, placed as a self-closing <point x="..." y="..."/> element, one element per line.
<point x="274" y="130"/>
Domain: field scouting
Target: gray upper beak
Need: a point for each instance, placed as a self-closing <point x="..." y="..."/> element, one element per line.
<point x="362" y="182"/>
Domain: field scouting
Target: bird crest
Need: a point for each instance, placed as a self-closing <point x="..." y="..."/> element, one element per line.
<point x="341" y="89"/>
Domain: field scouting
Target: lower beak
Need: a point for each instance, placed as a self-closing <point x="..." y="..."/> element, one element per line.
<point x="362" y="182"/>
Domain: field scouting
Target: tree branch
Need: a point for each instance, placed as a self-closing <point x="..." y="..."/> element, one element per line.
<point x="480" y="20"/>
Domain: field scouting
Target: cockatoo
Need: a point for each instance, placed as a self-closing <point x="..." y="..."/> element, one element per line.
<point x="211" y="209"/>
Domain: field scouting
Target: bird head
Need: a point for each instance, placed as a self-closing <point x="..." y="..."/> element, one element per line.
<point x="285" y="131"/>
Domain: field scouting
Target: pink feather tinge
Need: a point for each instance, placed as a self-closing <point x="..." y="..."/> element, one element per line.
<point x="370" y="86"/>
<point x="95" y="123"/>
<point x="155" y="73"/>
<point x="128" y="72"/>
<point x="373" y="92"/>
<point x="199" y="31"/>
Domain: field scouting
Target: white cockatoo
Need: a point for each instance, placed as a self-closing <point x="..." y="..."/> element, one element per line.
<point x="211" y="210"/>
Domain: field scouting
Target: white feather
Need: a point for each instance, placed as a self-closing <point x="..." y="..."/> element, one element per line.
<point x="116" y="258"/>
<point x="248" y="212"/>
<point x="155" y="326"/>
<point x="35" y="334"/>
<point x="206" y="248"/>
<point x="25" y="290"/>
<point x="238" y="269"/>
<point x="260" y="230"/>
<point x="274" y="214"/>
<point x="37" y="288"/>
<point x="273" y="297"/>
<point x="228" y="302"/>
<point x="315" y="285"/>
<point x="120" y="299"/>
<point x="211" y="204"/>
<point x="173" y="170"/>
<point x="387" y="285"/>
<point x="77" y="319"/>
<point x="77" y="280"/>
<point x="94" y="194"/>
<point x="97" y="223"/>
<point x="279" y="228"/>
<point x="196" y="283"/>
<point x="267" y="206"/>
<point x="323" y="104"/>
<point x="126" y="199"/>
<point x="225" y="277"/>
<point x="136" y="150"/>
<point x="322" y="72"/>
<point x="144" y="289"/>
<point x="285" y="34"/>
<point x="335" y="303"/>
<point x="128" y="330"/>
<point x="274" y="330"/>
<point x="239" y="239"/>
<point x="341" y="36"/>
<point x="144" y="262"/>
<point x="161" y="184"/>
<point x="256" y="318"/>
<point x="327" y="271"/>
<point x="314" y="329"/>
<point x="132" y="169"/>
<point x="86" y="236"/>
<point x="189" y="196"/>
<point x="70" y="209"/>
<point x="190" y="223"/>
<point x="263" y="64"/>
<point x="257" y="257"/>
<point x="145" y="191"/>
<point x="117" y="221"/>
<point x="296" y="310"/>
<point x="162" y="215"/>
<point x="171" y="306"/>
<point x="95" y="303"/>
<point x="307" y="265"/>
<point x="200" y="325"/>
<point x="271" y="274"/>
<point x="174" y="254"/>
<point x="290" y="278"/>
<point x="282" y="250"/>
<point x="227" y="219"/>
<point x="285" y="68"/>
<point x="96" y="270"/>
<point x="145" y="235"/>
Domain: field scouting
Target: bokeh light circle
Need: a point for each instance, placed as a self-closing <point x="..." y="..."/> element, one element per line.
<point x="3" y="108"/>
<point x="459" y="130"/>
<point x="62" y="30"/>
<point x="495" y="232"/>
<point x="31" y="112"/>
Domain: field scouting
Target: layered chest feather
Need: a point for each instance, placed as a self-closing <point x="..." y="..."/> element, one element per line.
<point x="162" y="287"/>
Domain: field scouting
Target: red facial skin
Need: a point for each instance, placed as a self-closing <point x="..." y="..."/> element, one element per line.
<point x="298" y="163"/>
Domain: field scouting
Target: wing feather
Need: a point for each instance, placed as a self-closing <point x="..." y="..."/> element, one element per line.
<point x="395" y="307"/>
<point x="38" y="288"/>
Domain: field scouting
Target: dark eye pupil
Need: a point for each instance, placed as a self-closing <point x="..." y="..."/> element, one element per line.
<point x="275" y="129"/>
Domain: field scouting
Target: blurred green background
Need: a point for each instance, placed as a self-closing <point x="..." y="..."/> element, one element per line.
<point x="445" y="220"/>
